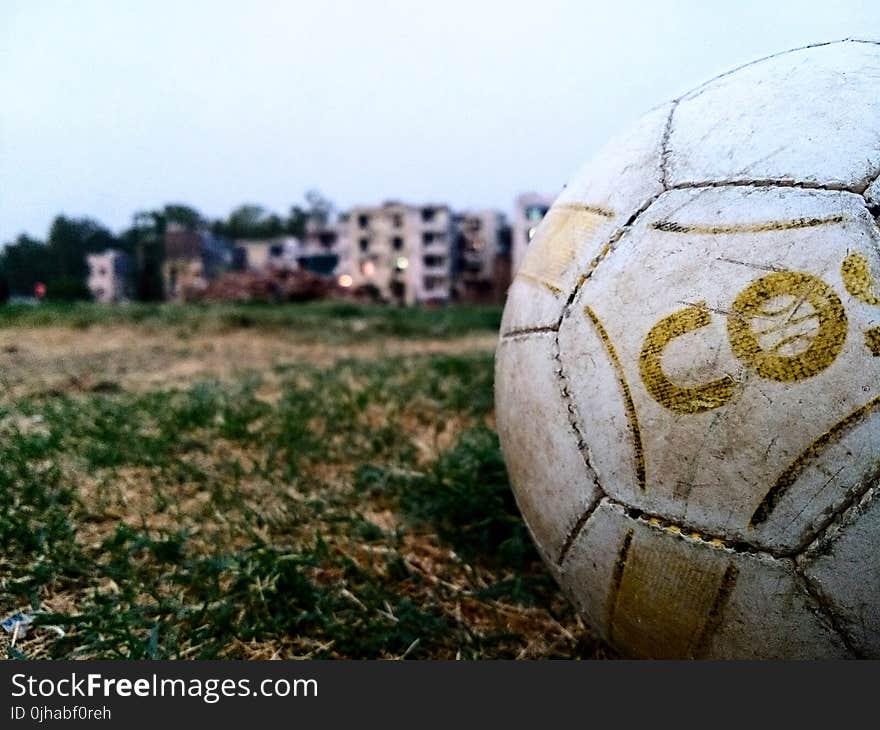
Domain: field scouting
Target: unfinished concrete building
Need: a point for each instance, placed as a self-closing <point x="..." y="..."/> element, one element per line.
<point x="401" y="253"/>
<point x="482" y="248"/>
<point x="324" y="249"/>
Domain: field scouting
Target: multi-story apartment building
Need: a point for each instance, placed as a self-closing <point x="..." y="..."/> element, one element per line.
<point x="324" y="248"/>
<point x="401" y="252"/>
<point x="529" y="209"/>
<point x="482" y="249"/>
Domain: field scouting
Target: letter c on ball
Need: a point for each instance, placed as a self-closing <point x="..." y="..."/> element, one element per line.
<point x="697" y="399"/>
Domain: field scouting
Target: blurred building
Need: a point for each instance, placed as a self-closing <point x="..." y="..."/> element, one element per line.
<point x="393" y="252"/>
<point x="400" y="253"/>
<point x="482" y="244"/>
<point x="324" y="247"/>
<point x="320" y="251"/>
<point x="529" y="209"/>
<point x="255" y="253"/>
<point x="269" y="254"/>
<point x="111" y="276"/>
<point x="192" y="259"/>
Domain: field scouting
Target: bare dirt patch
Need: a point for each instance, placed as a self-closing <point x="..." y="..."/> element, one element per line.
<point x="36" y="361"/>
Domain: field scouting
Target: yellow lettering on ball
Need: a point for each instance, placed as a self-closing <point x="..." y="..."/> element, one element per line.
<point x="872" y="340"/>
<point x="777" y="300"/>
<point x="697" y="399"/>
<point x="858" y="280"/>
<point x="859" y="283"/>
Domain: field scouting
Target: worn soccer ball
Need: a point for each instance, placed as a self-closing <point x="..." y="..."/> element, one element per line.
<point x="688" y="375"/>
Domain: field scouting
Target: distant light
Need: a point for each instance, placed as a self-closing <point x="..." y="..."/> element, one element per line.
<point x="402" y="262"/>
<point x="369" y="268"/>
<point x="532" y="232"/>
<point x="345" y="281"/>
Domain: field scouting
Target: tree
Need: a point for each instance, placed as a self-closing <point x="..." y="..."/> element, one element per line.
<point x="295" y="223"/>
<point x="273" y="226"/>
<point x="249" y="221"/>
<point x="182" y="215"/>
<point x="320" y="208"/>
<point x="60" y="262"/>
<point x="70" y="240"/>
<point x="24" y="263"/>
<point x="145" y="240"/>
<point x="246" y="221"/>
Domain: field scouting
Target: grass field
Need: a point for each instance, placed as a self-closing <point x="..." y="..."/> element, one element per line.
<point x="309" y="481"/>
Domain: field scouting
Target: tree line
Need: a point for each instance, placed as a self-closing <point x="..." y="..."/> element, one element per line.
<point x="59" y="261"/>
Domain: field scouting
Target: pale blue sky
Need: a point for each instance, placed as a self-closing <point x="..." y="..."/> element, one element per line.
<point x="110" y="107"/>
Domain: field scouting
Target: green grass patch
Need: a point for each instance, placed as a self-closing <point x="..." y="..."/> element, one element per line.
<point x="362" y="512"/>
<point x="325" y="321"/>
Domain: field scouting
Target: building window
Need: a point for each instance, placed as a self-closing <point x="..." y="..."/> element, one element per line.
<point x="434" y="261"/>
<point x="428" y="237"/>
<point x="397" y="243"/>
<point x="428" y="214"/>
<point x="363" y="221"/>
<point x="434" y="282"/>
<point x="276" y="249"/>
<point x="536" y="212"/>
<point x="327" y="238"/>
<point x="397" y="220"/>
<point x="364" y="244"/>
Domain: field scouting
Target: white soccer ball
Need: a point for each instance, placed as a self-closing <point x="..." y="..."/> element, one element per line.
<point x="688" y="376"/>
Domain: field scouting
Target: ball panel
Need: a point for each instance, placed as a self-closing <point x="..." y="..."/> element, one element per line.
<point x="739" y="127"/>
<point x="716" y="430"/>
<point x="552" y="484"/>
<point x="655" y="591"/>
<point x="589" y="569"/>
<point x="847" y="573"/>
<point x="770" y="615"/>
<point x="529" y="306"/>
<point x="600" y="198"/>
<point x="872" y="194"/>
<point x="600" y="399"/>
<point x="626" y="172"/>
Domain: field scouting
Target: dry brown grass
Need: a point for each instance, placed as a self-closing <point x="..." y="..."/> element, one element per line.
<point x="374" y="576"/>
<point x="35" y="361"/>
